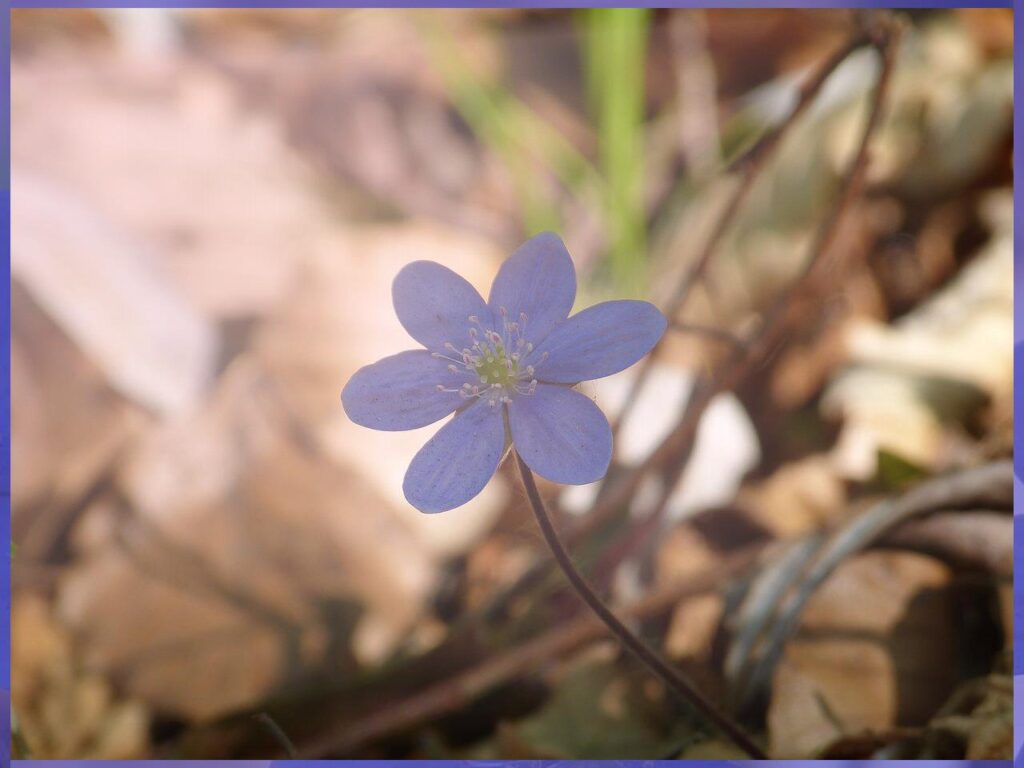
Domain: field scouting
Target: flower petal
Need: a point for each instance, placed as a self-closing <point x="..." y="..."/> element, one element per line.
<point x="456" y="463"/>
<point x="599" y="341"/>
<point x="434" y="305"/>
<point x="561" y="435"/>
<point x="400" y="392"/>
<point x="539" y="279"/>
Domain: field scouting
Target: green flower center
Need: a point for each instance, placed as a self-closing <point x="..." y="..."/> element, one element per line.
<point x="497" y="359"/>
<point x="496" y="367"/>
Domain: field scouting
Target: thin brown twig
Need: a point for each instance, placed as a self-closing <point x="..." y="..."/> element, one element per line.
<point x="453" y="693"/>
<point x="747" y="357"/>
<point x="743" y="360"/>
<point x="762" y="340"/>
<point x="709" y="332"/>
<point x="750" y="165"/>
<point x="673" y="678"/>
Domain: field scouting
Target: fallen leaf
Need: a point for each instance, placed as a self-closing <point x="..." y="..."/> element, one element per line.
<point x="278" y="566"/>
<point x="64" y="710"/>
<point x="866" y="655"/>
<point x="907" y="385"/>
<point x="165" y="154"/>
<point x="91" y="278"/>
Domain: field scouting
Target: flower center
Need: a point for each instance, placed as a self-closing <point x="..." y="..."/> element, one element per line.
<point x="494" y="363"/>
<point x="498" y="368"/>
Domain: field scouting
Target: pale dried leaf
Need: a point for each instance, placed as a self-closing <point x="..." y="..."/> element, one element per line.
<point x="109" y="296"/>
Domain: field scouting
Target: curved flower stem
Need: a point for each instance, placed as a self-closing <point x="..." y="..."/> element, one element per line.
<point x="671" y="676"/>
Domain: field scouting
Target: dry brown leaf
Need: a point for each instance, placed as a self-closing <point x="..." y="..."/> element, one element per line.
<point x="693" y="627"/>
<point x="109" y="296"/>
<point x="867" y="654"/>
<point x="63" y="710"/>
<point x="166" y="153"/>
<point x="932" y="368"/>
<point x="67" y="426"/>
<point x="33" y="29"/>
<point x="991" y="28"/>
<point x="799" y="497"/>
<point x="683" y="553"/>
<point x="204" y="596"/>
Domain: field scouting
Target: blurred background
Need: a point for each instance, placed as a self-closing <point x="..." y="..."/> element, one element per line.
<point x="208" y="209"/>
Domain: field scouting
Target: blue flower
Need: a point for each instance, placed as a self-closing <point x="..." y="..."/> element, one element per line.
<point x="506" y="368"/>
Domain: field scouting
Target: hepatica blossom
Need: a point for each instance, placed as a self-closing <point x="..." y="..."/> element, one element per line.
<point x="506" y="368"/>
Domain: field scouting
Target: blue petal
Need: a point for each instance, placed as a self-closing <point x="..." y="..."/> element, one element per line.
<point x="400" y="392"/>
<point x="434" y="305"/>
<point x="561" y="435"/>
<point x="599" y="341"/>
<point x="456" y="463"/>
<point x="539" y="280"/>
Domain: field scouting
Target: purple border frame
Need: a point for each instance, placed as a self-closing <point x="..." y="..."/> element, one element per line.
<point x="561" y="4"/>
<point x="5" y="390"/>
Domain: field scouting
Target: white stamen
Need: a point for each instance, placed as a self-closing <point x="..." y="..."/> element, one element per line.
<point x="503" y="345"/>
